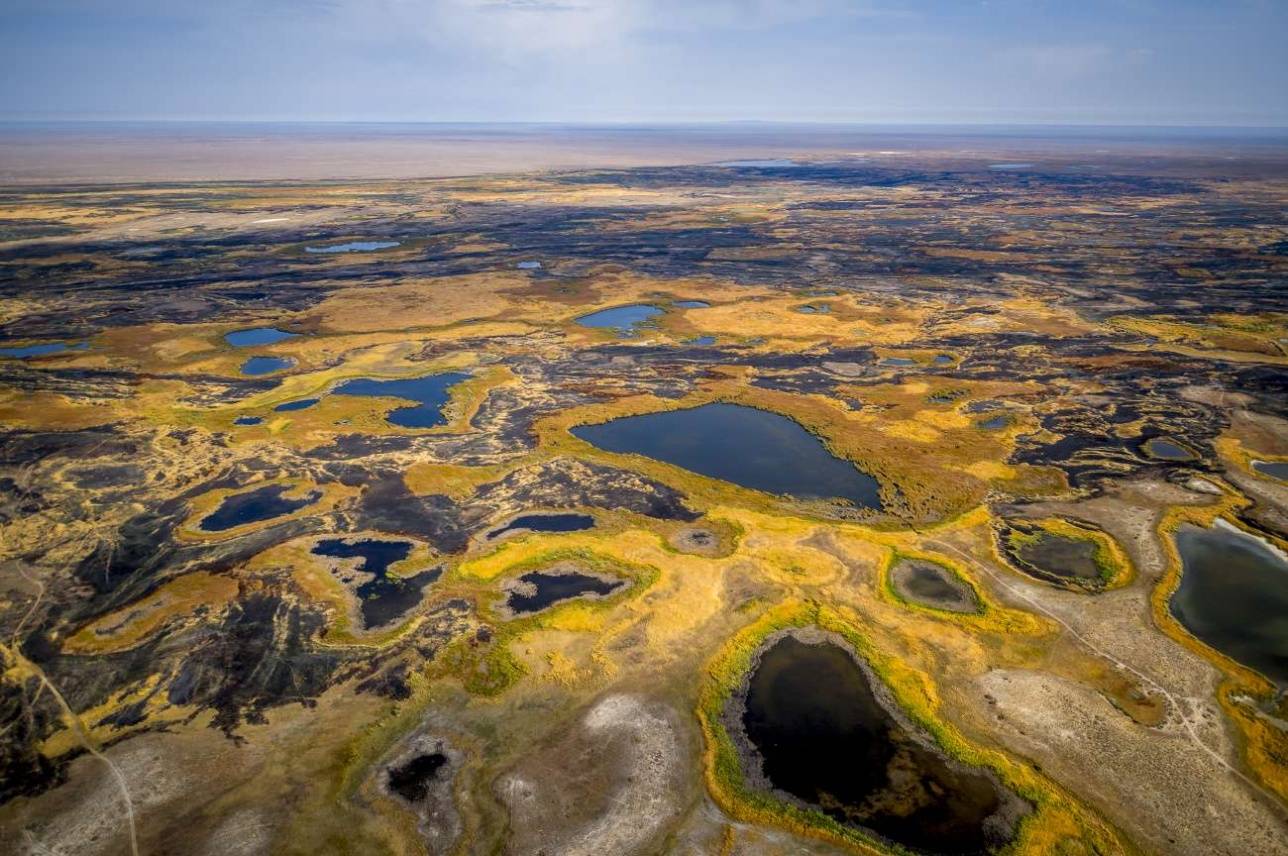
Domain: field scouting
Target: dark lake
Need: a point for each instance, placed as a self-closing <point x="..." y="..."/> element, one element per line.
<point x="749" y="447"/>
<point x="430" y="393"/>
<point x="813" y="716"/>
<point x="382" y="599"/>
<point x="253" y="506"/>
<point x="1274" y="469"/>
<point x="1233" y="595"/>
<point x="353" y="247"/>
<point x="546" y="523"/>
<point x="257" y="336"/>
<point x="42" y="350"/>
<point x="539" y="589"/>
<point x="932" y="584"/>
<point x="300" y="404"/>
<point x="248" y="420"/>
<point x="623" y="319"/>
<point x="265" y="365"/>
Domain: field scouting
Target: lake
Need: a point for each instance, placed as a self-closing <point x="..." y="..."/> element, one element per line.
<point x="749" y="447"/>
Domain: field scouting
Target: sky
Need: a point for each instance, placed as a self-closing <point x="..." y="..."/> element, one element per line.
<point x="1135" y="62"/>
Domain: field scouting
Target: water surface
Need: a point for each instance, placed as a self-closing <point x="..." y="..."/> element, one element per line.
<point x="1168" y="450"/>
<point x="430" y="393"/>
<point x="354" y="247"/>
<point x="382" y="598"/>
<point x="539" y="589"/>
<point x="546" y="523"/>
<point x="42" y="350"/>
<point x="301" y="404"/>
<point x="932" y="584"/>
<point x="813" y="716"/>
<point x="265" y="365"/>
<point x="1233" y="595"/>
<point x="253" y="506"/>
<point x="257" y="336"/>
<point x="1274" y="469"/>
<point x="691" y="304"/>
<point x="248" y="420"/>
<point x="624" y="319"/>
<point x="749" y="447"/>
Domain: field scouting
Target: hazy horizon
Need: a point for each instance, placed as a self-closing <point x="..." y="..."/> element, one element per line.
<point x="1105" y="63"/>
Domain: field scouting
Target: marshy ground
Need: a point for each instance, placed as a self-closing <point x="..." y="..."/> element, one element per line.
<point x="330" y="523"/>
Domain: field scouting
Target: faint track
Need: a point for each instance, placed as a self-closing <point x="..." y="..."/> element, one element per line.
<point x="1172" y="700"/>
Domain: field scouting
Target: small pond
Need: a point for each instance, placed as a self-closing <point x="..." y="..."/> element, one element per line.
<point x="257" y="336"/>
<point x="897" y="361"/>
<point x="265" y="365"/>
<point x="932" y="584"/>
<point x="1060" y="559"/>
<point x="827" y="736"/>
<point x="248" y="420"/>
<point x="430" y="393"/>
<point x="382" y="599"/>
<point x="749" y="447"/>
<point x="1233" y="595"/>
<point x="353" y="247"/>
<point x="42" y="350"/>
<point x="253" y="506"/>
<point x="537" y="590"/>
<point x="300" y="404"/>
<point x="1163" y="449"/>
<point x="624" y="319"/>
<point x="701" y="341"/>
<point x="546" y="523"/>
<point x="529" y="266"/>
<point x="1274" y="469"/>
<point x="691" y="304"/>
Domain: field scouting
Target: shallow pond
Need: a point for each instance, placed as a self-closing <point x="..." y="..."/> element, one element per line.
<point x="546" y="523"/>
<point x="1168" y="450"/>
<point x="897" y="361"/>
<point x="248" y="420"/>
<point x="1055" y="558"/>
<point x="995" y="423"/>
<point x="430" y="393"/>
<point x="1233" y="595"/>
<point x="42" y="350"/>
<point x="529" y="266"/>
<point x="623" y="319"/>
<point x="749" y="447"/>
<point x="265" y="365"/>
<point x="691" y="304"/>
<point x="931" y="584"/>
<point x="537" y="590"/>
<point x="381" y="599"/>
<point x="353" y="247"/>
<point x="701" y="341"/>
<point x="813" y="715"/>
<point x="257" y="336"/>
<point x="1274" y="469"/>
<point x="253" y="506"/>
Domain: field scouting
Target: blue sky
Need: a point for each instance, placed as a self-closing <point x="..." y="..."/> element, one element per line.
<point x="1008" y="61"/>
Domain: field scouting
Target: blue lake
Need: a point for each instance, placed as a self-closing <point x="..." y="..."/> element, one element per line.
<point x="1274" y="469"/>
<point x="691" y="304"/>
<point x="624" y="319"/>
<point x="248" y="420"/>
<point x="430" y="393"/>
<point x="529" y="266"/>
<point x="253" y="506"/>
<point x="42" y="350"/>
<point x="265" y="365"/>
<point x="749" y="447"/>
<point x="257" y="336"/>
<point x="353" y="247"/>
<point x="302" y="404"/>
